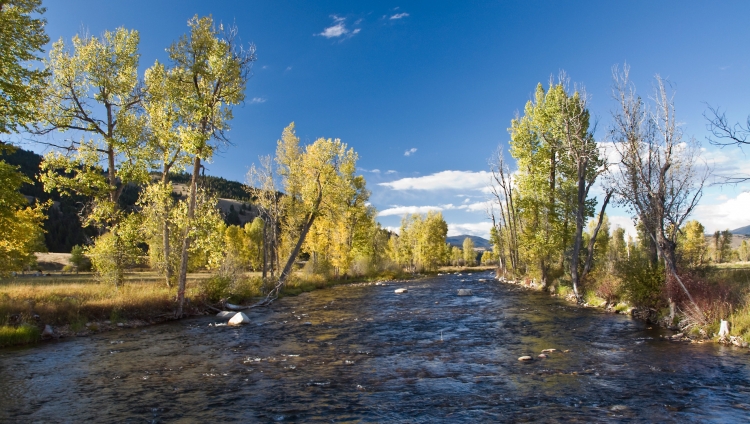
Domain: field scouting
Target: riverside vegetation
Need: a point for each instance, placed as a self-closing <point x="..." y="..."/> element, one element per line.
<point x="307" y="222"/>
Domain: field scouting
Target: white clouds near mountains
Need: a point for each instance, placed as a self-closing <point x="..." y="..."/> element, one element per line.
<point x="729" y="214"/>
<point x="480" y="229"/>
<point x="402" y="210"/>
<point x="444" y="180"/>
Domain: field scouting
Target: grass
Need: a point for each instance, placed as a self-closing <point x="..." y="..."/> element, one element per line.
<point x="23" y="334"/>
<point x="74" y="301"/>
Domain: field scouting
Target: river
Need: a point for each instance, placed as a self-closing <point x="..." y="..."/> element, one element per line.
<point x="361" y="353"/>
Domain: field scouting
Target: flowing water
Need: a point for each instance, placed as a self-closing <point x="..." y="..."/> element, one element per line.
<point x="362" y="353"/>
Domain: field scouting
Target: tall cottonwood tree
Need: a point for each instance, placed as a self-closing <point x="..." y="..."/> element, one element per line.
<point x="317" y="180"/>
<point x="659" y="173"/>
<point x="22" y="39"/>
<point x="93" y="90"/>
<point x="211" y="70"/>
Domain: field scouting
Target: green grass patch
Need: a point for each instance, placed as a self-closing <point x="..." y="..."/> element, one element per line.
<point x="23" y="334"/>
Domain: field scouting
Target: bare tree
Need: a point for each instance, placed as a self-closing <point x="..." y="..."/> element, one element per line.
<point x="726" y="134"/>
<point x="268" y="199"/>
<point x="659" y="176"/>
<point x="506" y="224"/>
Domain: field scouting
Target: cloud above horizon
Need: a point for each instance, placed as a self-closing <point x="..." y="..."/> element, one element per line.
<point x="399" y="16"/>
<point x="450" y="180"/>
<point x="410" y="151"/>
<point x="480" y="229"/>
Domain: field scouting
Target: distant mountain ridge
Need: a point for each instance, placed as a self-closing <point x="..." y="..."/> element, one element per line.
<point x="745" y="231"/>
<point x="479" y="242"/>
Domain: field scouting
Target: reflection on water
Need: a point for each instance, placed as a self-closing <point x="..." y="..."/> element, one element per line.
<point x="363" y="353"/>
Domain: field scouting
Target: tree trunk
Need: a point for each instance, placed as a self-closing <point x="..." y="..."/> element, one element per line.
<point x="165" y="236"/>
<point x="186" y="237"/>
<point x="590" y="253"/>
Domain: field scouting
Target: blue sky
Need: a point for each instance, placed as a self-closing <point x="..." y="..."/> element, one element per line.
<point x="425" y="91"/>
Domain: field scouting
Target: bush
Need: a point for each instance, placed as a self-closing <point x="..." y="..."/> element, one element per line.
<point x="642" y="284"/>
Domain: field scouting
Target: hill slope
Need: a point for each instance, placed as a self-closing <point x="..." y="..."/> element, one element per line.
<point x="479" y="242"/>
<point x="745" y="231"/>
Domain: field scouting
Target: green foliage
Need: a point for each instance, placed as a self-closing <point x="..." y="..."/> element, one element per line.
<point x="115" y="251"/>
<point x="469" y="254"/>
<point x="78" y="258"/>
<point x="642" y="283"/>
<point x="23" y="334"/>
<point x="692" y="249"/>
<point x="21" y="225"/>
<point x="421" y="242"/>
<point x="22" y="38"/>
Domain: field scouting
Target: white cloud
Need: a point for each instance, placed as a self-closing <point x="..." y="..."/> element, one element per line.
<point x="403" y="210"/>
<point x="622" y="221"/>
<point x="339" y="28"/>
<point x="476" y="207"/>
<point x="399" y="16"/>
<point x="258" y="100"/>
<point x="451" y="180"/>
<point x="410" y="151"/>
<point x="481" y="229"/>
<point x="392" y="229"/>
<point x="731" y="214"/>
<point x="288" y="68"/>
<point x="374" y="171"/>
<point x="390" y="171"/>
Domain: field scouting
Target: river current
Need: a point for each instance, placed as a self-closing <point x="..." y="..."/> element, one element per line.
<point x="361" y="353"/>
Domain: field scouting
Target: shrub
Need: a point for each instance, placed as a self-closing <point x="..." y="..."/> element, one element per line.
<point x="642" y="283"/>
<point x="23" y="334"/>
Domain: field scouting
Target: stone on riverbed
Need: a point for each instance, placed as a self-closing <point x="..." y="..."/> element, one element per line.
<point x="399" y="291"/>
<point x="465" y="292"/>
<point x="226" y="314"/>
<point x="239" y="319"/>
<point x="549" y="350"/>
<point x="525" y="358"/>
<point x="542" y="355"/>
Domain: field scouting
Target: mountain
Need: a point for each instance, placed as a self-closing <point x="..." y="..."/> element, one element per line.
<point x="479" y="242"/>
<point x="745" y="231"/>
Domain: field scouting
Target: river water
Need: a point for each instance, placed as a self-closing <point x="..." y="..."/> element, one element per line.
<point x="362" y="353"/>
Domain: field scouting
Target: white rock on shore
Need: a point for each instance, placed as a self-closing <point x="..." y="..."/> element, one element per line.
<point x="399" y="291"/>
<point x="525" y="358"/>
<point x="239" y="319"/>
<point x="48" y="331"/>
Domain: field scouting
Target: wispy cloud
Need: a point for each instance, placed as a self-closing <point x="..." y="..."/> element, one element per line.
<point x="481" y="229"/>
<point x="444" y="180"/>
<point x="288" y="68"/>
<point x="404" y="210"/>
<point x="374" y="171"/>
<point x="390" y="171"/>
<point x="258" y="100"/>
<point x="410" y="151"/>
<point x="338" y="28"/>
<point x="399" y="16"/>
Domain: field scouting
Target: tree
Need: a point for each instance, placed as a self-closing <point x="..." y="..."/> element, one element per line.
<point x="22" y="233"/>
<point x="691" y="244"/>
<point x="470" y="255"/>
<point x="659" y="175"/>
<point x="316" y="182"/>
<point x="726" y="134"/>
<point x="211" y="71"/>
<point x="94" y="89"/>
<point x="78" y="258"/>
<point x="22" y="38"/>
<point x="487" y="257"/>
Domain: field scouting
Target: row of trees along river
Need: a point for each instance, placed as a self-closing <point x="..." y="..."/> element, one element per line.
<point x="134" y="133"/>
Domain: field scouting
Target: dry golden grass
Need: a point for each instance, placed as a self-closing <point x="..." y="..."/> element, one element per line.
<point x="74" y="299"/>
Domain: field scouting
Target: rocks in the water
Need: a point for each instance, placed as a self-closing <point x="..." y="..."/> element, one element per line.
<point x="525" y="358"/>
<point x="226" y="314"/>
<point x="618" y="408"/>
<point x="677" y="336"/>
<point x="465" y="292"/>
<point x="549" y="350"/>
<point x="542" y="355"/>
<point x="48" y="331"/>
<point x="307" y="323"/>
<point x="399" y="291"/>
<point x="239" y="319"/>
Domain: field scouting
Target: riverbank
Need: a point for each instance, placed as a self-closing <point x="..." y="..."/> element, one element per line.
<point x="693" y="334"/>
<point x="59" y="305"/>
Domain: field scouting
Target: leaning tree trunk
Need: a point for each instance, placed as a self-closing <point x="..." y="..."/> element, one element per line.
<point x="165" y="236"/>
<point x="590" y="253"/>
<point x="186" y="238"/>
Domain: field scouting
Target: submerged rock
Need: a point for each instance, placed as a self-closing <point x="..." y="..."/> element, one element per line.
<point x="399" y="291"/>
<point x="525" y="358"/>
<point x="549" y="350"/>
<point x="465" y="292"/>
<point x="542" y="355"/>
<point x="226" y="314"/>
<point x="239" y="319"/>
